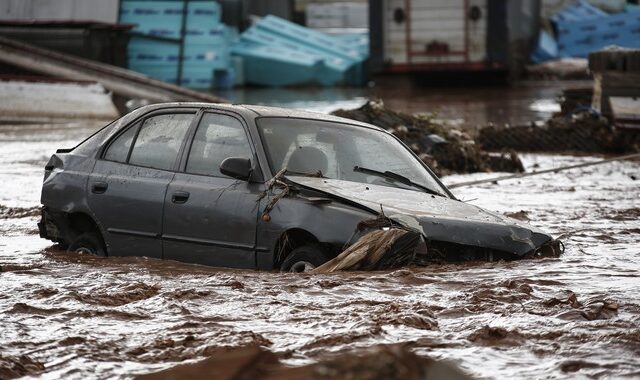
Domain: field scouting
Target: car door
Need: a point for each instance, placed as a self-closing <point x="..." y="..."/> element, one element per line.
<point x="210" y="218"/>
<point x="128" y="184"/>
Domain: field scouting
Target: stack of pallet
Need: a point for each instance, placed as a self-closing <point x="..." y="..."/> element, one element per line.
<point x="181" y="42"/>
<point x="616" y="91"/>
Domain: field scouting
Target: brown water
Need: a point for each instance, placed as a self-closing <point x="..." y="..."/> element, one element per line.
<point x="467" y="107"/>
<point x="72" y="316"/>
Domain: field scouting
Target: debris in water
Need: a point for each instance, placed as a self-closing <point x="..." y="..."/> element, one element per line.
<point x="380" y="249"/>
<point x="445" y="150"/>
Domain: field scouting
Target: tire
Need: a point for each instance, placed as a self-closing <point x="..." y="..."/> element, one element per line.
<point x="90" y="243"/>
<point x="305" y="258"/>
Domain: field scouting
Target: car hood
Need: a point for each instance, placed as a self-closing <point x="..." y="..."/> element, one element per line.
<point x="442" y="219"/>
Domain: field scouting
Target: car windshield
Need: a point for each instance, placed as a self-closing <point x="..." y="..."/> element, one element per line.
<point x="344" y="152"/>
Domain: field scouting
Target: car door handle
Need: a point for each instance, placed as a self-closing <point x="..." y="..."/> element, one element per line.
<point x="99" y="187"/>
<point x="180" y="197"/>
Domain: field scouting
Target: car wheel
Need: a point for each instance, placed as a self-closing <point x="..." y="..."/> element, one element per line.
<point x="305" y="258"/>
<point x="88" y="243"/>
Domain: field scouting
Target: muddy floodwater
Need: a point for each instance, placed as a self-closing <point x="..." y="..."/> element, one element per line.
<point x="466" y="107"/>
<point x="69" y="316"/>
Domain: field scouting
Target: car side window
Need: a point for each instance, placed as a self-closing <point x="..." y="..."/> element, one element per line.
<point x="218" y="137"/>
<point x="159" y="140"/>
<point x="119" y="149"/>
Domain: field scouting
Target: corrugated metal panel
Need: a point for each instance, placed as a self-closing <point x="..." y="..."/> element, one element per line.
<point x="80" y="10"/>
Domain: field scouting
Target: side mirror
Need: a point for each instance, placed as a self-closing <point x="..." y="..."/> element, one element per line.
<point x="236" y="167"/>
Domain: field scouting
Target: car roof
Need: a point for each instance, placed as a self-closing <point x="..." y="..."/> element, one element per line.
<point x="260" y="111"/>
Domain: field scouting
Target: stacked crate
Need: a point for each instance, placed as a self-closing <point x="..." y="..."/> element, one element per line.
<point x="165" y="29"/>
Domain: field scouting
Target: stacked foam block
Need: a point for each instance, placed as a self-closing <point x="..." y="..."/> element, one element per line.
<point x="582" y="28"/>
<point x="154" y="48"/>
<point x="276" y="52"/>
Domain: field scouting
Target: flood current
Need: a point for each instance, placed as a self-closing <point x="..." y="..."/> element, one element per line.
<point x="65" y="315"/>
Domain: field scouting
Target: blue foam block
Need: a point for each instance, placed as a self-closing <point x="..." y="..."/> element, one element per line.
<point x="579" y="38"/>
<point x="272" y="65"/>
<point x="547" y="48"/>
<point x="580" y="11"/>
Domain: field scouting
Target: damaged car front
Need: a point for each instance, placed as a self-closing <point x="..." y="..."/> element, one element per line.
<point x="365" y="168"/>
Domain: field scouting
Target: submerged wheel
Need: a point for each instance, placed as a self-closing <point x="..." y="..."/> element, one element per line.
<point x="305" y="258"/>
<point x="88" y="243"/>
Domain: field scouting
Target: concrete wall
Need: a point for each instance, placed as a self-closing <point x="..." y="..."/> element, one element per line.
<point x="79" y="10"/>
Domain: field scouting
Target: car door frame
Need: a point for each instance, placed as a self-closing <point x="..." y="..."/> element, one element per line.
<point x="137" y="123"/>
<point x="258" y="175"/>
<point x="257" y="178"/>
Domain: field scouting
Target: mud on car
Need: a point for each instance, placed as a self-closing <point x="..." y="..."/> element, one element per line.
<point x="195" y="183"/>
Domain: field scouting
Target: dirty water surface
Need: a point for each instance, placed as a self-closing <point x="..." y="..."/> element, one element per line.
<point x="66" y="315"/>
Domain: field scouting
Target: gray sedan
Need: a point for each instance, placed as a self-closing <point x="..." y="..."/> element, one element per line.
<point x="255" y="187"/>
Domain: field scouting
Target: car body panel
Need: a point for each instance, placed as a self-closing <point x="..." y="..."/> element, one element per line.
<point x="65" y="182"/>
<point x="332" y="222"/>
<point x="216" y="225"/>
<point x="441" y="218"/>
<point x="130" y="209"/>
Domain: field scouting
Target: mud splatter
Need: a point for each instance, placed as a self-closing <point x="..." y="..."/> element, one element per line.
<point x="494" y="336"/>
<point x="118" y="295"/>
<point x="520" y="215"/>
<point x="630" y="214"/>
<point x="18" y="366"/>
<point x="18" y="212"/>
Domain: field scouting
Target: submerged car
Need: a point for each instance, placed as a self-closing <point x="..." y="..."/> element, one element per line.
<point x="255" y="187"/>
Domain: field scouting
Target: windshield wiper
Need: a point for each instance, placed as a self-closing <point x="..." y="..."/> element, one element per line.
<point x="396" y="177"/>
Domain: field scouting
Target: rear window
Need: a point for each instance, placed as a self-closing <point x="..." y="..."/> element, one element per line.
<point x="159" y="140"/>
<point x="119" y="148"/>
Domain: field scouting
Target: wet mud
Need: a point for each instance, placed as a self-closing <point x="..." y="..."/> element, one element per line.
<point x="18" y="212"/>
<point x="66" y="315"/>
<point x="445" y="149"/>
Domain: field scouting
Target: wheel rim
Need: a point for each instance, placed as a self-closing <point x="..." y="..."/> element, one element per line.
<point x="302" y="266"/>
<point x="85" y="250"/>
